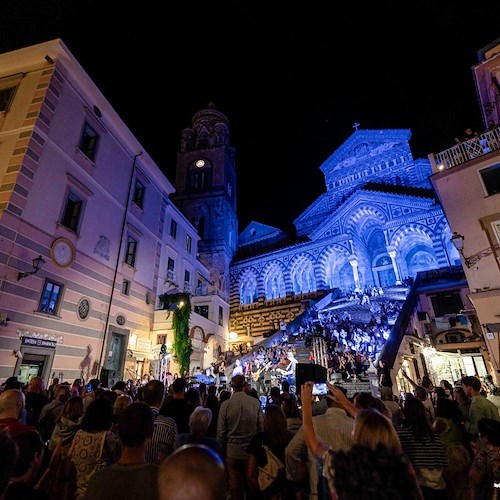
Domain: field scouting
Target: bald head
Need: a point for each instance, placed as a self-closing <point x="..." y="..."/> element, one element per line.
<point x="11" y="403"/>
<point x="192" y="471"/>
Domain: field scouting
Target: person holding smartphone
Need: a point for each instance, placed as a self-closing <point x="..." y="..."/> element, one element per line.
<point x="334" y="427"/>
<point x="90" y="393"/>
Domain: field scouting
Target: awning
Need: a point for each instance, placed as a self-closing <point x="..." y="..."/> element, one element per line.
<point x="493" y="327"/>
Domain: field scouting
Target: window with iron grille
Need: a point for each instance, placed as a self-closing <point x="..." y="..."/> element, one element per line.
<point x="131" y="252"/>
<point x="188" y="243"/>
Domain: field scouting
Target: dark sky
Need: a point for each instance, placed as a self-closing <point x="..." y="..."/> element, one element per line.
<point x="292" y="79"/>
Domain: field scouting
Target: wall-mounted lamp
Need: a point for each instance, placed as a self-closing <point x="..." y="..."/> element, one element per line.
<point x="38" y="263"/>
<point x="458" y="241"/>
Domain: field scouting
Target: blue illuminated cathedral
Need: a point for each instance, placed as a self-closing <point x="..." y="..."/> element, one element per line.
<point x="378" y="223"/>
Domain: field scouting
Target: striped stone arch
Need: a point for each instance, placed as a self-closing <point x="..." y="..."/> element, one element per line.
<point x="303" y="273"/>
<point x="351" y="221"/>
<point x="248" y="286"/>
<point x="418" y="248"/>
<point x="400" y="234"/>
<point x="273" y="279"/>
<point x="330" y="262"/>
<point x="450" y="253"/>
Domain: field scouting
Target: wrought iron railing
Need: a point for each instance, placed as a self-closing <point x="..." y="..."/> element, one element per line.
<point x="467" y="150"/>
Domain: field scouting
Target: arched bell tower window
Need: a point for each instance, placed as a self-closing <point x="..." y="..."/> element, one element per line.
<point x="200" y="175"/>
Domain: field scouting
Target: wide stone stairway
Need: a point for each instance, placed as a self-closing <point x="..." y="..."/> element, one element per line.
<point x="352" y="386"/>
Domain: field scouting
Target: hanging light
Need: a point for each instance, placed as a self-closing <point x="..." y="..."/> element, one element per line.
<point x="38" y="263"/>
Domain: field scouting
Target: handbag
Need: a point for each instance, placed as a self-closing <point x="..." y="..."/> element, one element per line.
<point x="430" y="478"/>
<point x="270" y="471"/>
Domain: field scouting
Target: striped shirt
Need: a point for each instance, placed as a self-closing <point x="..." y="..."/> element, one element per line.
<point x="165" y="438"/>
<point x="422" y="453"/>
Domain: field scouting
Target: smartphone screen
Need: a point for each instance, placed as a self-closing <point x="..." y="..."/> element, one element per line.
<point x="320" y="389"/>
<point x="89" y="388"/>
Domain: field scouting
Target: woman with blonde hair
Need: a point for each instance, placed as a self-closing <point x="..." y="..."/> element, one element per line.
<point x="373" y="432"/>
<point x="67" y="424"/>
<point x="371" y="428"/>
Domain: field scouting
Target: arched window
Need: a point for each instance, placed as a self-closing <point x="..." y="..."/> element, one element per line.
<point x="248" y="288"/>
<point x="274" y="282"/>
<point x="302" y="274"/>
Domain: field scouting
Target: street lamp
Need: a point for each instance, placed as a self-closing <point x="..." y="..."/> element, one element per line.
<point x="38" y="262"/>
<point x="458" y="241"/>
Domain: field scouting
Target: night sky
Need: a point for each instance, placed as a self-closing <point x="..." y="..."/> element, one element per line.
<point x="292" y="79"/>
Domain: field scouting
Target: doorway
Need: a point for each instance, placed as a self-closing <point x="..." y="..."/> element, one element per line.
<point x="32" y="365"/>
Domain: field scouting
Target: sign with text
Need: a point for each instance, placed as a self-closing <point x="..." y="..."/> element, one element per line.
<point x="33" y="342"/>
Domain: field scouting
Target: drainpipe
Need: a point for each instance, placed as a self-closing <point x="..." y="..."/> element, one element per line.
<point x="122" y="232"/>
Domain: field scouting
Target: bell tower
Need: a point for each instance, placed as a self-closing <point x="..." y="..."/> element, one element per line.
<point x="205" y="183"/>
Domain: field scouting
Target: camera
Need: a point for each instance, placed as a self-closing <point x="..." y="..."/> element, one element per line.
<point x="319" y="389"/>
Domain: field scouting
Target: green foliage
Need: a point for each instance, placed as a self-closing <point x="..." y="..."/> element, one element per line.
<point x="181" y="345"/>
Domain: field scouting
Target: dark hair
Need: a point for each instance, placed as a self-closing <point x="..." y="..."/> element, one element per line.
<point x="415" y="419"/>
<point x="28" y="443"/>
<point x="285" y="386"/>
<point x="193" y="397"/>
<point x="120" y="386"/>
<point x="224" y="395"/>
<point x="179" y="384"/>
<point x="446" y="384"/>
<point x="212" y="389"/>
<point x="98" y="416"/>
<point x="135" y="425"/>
<point x="489" y="428"/>
<point x="202" y="387"/>
<point x="275" y="425"/>
<point x="426" y="382"/>
<point x="238" y="382"/>
<point x="388" y="472"/>
<point x="94" y="383"/>
<point x="275" y="392"/>
<point x="291" y="408"/>
<point x="448" y="408"/>
<point x="153" y="392"/>
<point x="12" y="383"/>
<point x="107" y="395"/>
<point x="473" y="382"/>
<point x="440" y="392"/>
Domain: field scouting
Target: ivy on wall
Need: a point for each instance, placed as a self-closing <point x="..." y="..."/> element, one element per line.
<point x="181" y="345"/>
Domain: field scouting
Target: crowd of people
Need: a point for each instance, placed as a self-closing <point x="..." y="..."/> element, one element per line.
<point x="84" y="441"/>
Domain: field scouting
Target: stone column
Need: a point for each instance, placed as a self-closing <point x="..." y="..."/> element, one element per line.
<point x="354" y="264"/>
<point x="392" y="255"/>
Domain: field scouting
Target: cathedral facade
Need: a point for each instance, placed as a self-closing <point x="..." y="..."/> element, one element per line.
<point x="377" y="224"/>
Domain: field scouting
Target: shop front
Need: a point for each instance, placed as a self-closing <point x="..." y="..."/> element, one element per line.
<point x="35" y="355"/>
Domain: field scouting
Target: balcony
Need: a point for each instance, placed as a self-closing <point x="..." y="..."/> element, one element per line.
<point x="465" y="151"/>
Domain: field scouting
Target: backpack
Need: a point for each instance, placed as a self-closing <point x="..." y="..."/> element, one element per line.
<point x="46" y="426"/>
<point x="273" y="468"/>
